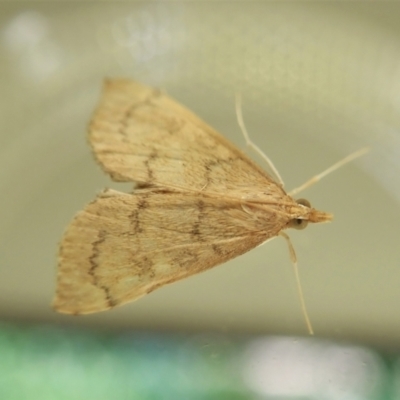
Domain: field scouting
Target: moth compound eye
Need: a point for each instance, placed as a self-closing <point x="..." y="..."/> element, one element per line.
<point x="304" y="202"/>
<point x="298" y="223"/>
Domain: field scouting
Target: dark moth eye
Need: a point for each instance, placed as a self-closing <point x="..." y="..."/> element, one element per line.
<point x="303" y="202"/>
<point x="299" y="223"/>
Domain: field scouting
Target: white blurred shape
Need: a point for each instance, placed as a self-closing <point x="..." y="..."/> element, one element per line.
<point x="349" y="373"/>
<point x="27" y="36"/>
<point x="25" y="30"/>
<point x="147" y="36"/>
<point x="298" y="368"/>
<point x="280" y="367"/>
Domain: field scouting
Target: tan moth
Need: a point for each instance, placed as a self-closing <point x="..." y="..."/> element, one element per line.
<point x="199" y="202"/>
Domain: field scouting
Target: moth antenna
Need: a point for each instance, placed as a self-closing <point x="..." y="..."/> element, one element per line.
<point x="250" y="143"/>
<point x="332" y="168"/>
<point x="299" y="289"/>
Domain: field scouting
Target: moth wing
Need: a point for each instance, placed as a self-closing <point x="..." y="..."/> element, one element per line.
<point x="140" y="134"/>
<point x="123" y="246"/>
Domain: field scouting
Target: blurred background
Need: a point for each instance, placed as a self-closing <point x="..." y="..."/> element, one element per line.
<point x="318" y="81"/>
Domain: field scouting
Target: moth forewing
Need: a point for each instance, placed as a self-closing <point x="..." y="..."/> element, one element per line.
<point x="123" y="246"/>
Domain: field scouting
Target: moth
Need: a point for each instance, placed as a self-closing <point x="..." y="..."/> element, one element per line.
<point x="198" y="202"/>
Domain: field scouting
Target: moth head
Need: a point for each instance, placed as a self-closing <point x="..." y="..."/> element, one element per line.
<point x="309" y="214"/>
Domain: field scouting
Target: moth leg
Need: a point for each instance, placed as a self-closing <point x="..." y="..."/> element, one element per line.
<point x="298" y="284"/>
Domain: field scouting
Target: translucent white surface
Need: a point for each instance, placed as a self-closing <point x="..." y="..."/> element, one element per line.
<point x="318" y="81"/>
